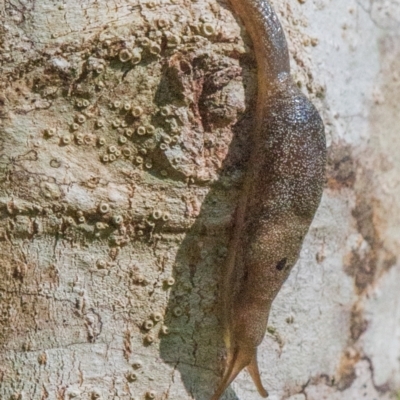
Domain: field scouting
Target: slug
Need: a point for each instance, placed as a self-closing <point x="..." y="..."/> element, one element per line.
<point x="281" y="193"/>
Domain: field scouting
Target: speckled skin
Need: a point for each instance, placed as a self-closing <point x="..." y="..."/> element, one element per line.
<point x="281" y="194"/>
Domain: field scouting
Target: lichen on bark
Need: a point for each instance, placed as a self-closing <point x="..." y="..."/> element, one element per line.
<point x="115" y="128"/>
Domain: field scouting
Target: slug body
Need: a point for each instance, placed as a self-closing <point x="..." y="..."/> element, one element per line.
<point x="281" y="194"/>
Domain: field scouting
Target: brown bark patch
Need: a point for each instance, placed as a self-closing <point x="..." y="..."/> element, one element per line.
<point x="346" y="374"/>
<point x="358" y="324"/>
<point x="340" y="168"/>
<point x="367" y="264"/>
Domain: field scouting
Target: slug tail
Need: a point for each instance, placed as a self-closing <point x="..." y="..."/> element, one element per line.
<point x="236" y="363"/>
<point x="255" y="375"/>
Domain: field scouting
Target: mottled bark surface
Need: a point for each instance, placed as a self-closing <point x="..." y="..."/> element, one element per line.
<point x="124" y="136"/>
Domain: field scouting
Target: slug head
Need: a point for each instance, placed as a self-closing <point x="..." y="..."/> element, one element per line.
<point x="241" y="357"/>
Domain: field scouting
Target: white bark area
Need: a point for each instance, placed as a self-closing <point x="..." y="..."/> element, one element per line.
<point x="119" y="178"/>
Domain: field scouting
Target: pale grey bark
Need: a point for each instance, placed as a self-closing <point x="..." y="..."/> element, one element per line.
<point x="94" y="251"/>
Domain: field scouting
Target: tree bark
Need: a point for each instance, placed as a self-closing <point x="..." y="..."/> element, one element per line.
<point x="124" y="135"/>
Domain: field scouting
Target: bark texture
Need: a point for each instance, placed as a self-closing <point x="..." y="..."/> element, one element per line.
<point x="124" y="137"/>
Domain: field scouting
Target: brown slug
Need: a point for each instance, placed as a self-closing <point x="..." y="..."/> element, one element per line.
<point x="281" y="194"/>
